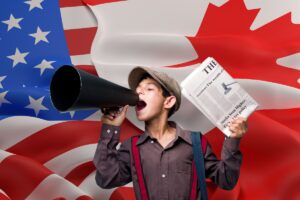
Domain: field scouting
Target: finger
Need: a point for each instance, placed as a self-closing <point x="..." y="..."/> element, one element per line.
<point x="124" y="110"/>
<point x="237" y="128"/>
<point x="238" y="120"/>
<point x="103" y="110"/>
<point x="108" y="117"/>
<point x="233" y="129"/>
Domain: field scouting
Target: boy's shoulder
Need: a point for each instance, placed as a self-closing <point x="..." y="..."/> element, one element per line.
<point x="128" y="140"/>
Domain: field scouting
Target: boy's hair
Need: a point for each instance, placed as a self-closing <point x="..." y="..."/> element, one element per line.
<point x="165" y="93"/>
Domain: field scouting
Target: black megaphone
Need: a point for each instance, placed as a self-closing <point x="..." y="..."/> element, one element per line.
<point x="74" y="89"/>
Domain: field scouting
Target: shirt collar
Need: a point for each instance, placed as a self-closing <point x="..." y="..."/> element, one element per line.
<point x="180" y="133"/>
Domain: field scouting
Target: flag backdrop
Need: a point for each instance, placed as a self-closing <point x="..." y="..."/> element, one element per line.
<point x="45" y="154"/>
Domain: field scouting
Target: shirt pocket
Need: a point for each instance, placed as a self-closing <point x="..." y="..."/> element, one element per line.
<point x="183" y="167"/>
<point x="181" y="181"/>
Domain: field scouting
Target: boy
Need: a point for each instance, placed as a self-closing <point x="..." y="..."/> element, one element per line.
<point x="165" y="149"/>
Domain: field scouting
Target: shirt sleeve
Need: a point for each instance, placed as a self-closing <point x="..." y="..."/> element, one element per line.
<point x="225" y="172"/>
<point x="112" y="165"/>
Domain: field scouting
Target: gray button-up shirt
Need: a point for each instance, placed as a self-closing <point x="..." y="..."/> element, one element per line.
<point x="167" y="171"/>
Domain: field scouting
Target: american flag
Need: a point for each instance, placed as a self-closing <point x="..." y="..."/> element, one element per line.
<point x="45" y="154"/>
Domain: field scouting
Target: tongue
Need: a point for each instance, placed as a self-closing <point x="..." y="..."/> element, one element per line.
<point x="140" y="105"/>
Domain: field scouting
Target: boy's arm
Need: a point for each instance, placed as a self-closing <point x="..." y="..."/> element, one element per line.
<point x="225" y="172"/>
<point x="112" y="165"/>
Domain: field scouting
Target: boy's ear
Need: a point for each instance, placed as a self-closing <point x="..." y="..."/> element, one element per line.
<point x="170" y="102"/>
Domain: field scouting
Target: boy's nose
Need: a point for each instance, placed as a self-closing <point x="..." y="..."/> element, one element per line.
<point x="139" y="91"/>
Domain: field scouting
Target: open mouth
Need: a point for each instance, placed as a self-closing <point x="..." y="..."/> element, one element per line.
<point x="140" y="105"/>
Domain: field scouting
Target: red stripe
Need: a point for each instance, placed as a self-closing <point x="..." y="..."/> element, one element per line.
<point x="68" y="3"/>
<point x="78" y="174"/>
<point x="20" y="176"/>
<point x="97" y="2"/>
<point x="84" y="198"/>
<point x="57" y="139"/>
<point x="80" y="40"/>
<point x="123" y="193"/>
<point x="88" y="68"/>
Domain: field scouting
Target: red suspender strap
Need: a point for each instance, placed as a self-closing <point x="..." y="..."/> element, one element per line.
<point x="138" y="167"/>
<point x="193" y="195"/>
<point x="203" y="144"/>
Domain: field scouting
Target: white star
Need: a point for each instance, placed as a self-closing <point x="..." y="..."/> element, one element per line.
<point x="72" y="113"/>
<point x="36" y="105"/>
<point x="34" y="4"/>
<point x="44" y="65"/>
<point x="1" y="79"/>
<point x="13" y="22"/>
<point x="2" y="98"/>
<point x="40" y="36"/>
<point x="18" y="57"/>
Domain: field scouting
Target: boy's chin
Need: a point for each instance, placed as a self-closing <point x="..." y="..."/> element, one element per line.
<point x="142" y="117"/>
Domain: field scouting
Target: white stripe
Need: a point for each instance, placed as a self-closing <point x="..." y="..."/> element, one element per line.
<point x="4" y="154"/>
<point x="272" y="95"/>
<point x="155" y="38"/>
<point x="66" y="162"/>
<point x="55" y="186"/>
<point x="90" y="186"/>
<point x="15" y="129"/>
<point x="77" y="17"/>
<point x="94" y="117"/>
<point x="141" y="50"/>
<point x="170" y="17"/>
<point x="119" y="73"/>
<point x="81" y="59"/>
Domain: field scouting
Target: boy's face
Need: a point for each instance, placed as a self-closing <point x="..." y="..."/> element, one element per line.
<point x="151" y="102"/>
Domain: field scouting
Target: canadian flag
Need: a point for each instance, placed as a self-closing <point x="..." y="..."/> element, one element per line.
<point x="48" y="155"/>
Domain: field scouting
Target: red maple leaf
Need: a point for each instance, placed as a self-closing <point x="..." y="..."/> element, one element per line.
<point x="225" y="35"/>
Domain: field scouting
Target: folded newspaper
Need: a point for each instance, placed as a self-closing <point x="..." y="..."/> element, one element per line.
<point x="217" y="95"/>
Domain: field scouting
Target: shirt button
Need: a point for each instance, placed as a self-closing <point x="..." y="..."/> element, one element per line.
<point x="152" y="141"/>
<point x="116" y="132"/>
<point x="108" y="131"/>
<point x="163" y="176"/>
